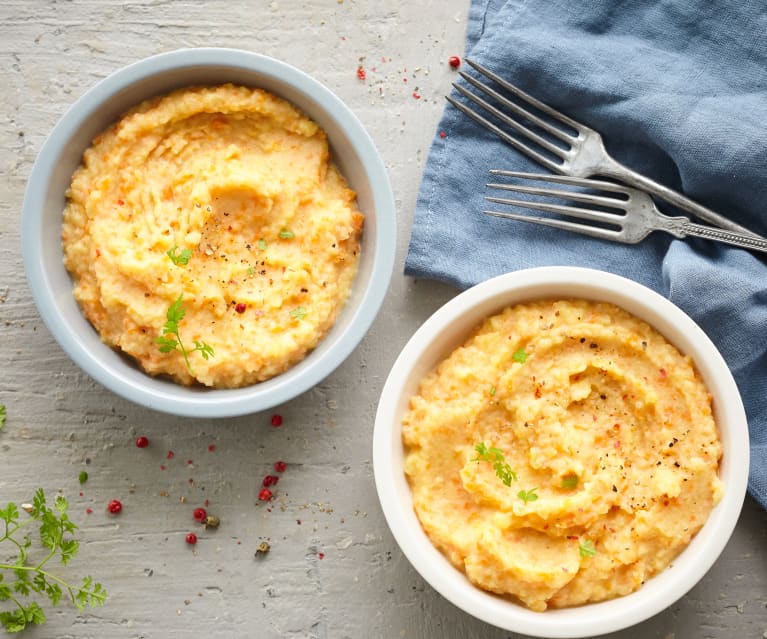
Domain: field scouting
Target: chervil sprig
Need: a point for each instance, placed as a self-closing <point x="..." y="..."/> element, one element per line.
<point x="170" y="339"/>
<point x="181" y="258"/>
<point x="495" y="457"/>
<point x="21" y="578"/>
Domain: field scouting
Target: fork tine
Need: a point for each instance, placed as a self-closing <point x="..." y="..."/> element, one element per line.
<point x="593" y="231"/>
<point x="575" y="196"/>
<point x="520" y="146"/>
<point x="562" y="209"/>
<point x="524" y="113"/>
<point x="541" y="106"/>
<point x="588" y="183"/>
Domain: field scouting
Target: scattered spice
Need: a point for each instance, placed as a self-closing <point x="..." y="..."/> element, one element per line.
<point x="170" y="455"/>
<point x="280" y="466"/>
<point x="199" y="514"/>
<point x="454" y="61"/>
<point x="265" y="494"/>
<point x="442" y="134"/>
<point x="114" y="506"/>
<point x="276" y="420"/>
<point x="211" y="521"/>
<point x="321" y="555"/>
<point x="263" y="548"/>
<point x="211" y="448"/>
<point x="191" y="539"/>
<point x="142" y="442"/>
<point x="240" y="307"/>
<point x="361" y="73"/>
<point x="270" y="480"/>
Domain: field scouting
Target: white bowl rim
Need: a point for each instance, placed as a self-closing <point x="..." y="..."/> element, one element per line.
<point x="211" y="402"/>
<point x="592" y="619"/>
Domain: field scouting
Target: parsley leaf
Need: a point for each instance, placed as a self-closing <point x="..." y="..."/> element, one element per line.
<point x="170" y="340"/>
<point x="570" y="481"/>
<point x="495" y="456"/>
<point x="25" y="577"/>
<point x="181" y="258"/>
<point x="3" y="415"/>
<point x="586" y="549"/>
<point x="286" y="234"/>
<point x="83" y="477"/>
<point x="298" y="313"/>
<point x="528" y="495"/>
<point x="492" y="391"/>
<point x="519" y="356"/>
<point x="262" y="244"/>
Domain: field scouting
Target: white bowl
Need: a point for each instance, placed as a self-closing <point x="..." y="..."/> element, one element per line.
<point x="352" y="150"/>
<point x="447" y="329"/>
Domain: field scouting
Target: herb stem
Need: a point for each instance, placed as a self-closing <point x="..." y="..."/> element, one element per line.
<point x="72" y="589"/>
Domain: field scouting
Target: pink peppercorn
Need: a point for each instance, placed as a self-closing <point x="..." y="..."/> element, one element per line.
<point x="280" y="466"/>
<point x="142" y="442"/>
<point x="270" y="480"/>
<point x="114" y="506"/>
<point x="265" y="494"/>
<point x="240" y="308"/>
<point x="199" y="514"/>
<point x="191" y="539"/>
<point x="454" y="61"/>
<point x="276" y="420"/>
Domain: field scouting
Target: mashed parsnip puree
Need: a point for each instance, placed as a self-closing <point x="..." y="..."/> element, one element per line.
<point x="564" y="454"/>
<point x="223" y="198"/>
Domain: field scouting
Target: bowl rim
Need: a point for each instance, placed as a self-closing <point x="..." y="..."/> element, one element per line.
<point x="211" y="402"/>
<point x="394" y="493"/>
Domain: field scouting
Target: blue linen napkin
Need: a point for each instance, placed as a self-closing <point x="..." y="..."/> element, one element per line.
<point x="679" y="92"/>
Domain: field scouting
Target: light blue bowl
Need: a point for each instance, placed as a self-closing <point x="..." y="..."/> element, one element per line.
<point x="352" y="150"/>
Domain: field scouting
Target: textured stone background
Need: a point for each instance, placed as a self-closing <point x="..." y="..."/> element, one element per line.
<point x="334" y="569"/>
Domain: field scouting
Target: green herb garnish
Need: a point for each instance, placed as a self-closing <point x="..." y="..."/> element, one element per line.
<point x="286" y="234"/>
<point x="570" y="481"/>
<point x="20" y="578"/>
<point x="528" y="495"/>
<point x="181" y="258"/>
<point x="170" y="340"/>
<point x="262" y="243"/>
<point x="495" y="457"/>
<point x="3" y="415"/>
<point x="251" y="271"/>
<point x="298" y="313"/>
<point x="492" y="391"/>
<point x="519" y="356"/>
<point x="587" y="549"/>
<point x="83" y="477"/>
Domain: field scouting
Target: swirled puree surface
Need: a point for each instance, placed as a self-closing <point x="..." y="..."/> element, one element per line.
<point x="604" y="433"/>
<point x="239" y="184"/>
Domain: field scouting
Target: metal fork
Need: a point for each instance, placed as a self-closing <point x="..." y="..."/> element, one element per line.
<point x="580" y="152"/>
<point x="634" y="214"/>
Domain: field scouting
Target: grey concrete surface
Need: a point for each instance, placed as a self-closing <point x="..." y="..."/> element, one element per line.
<point x="333" y="571"/>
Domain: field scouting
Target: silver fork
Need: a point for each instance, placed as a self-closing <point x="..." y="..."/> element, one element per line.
<point x="634" y="214"/>
<point x="581" y="152"/>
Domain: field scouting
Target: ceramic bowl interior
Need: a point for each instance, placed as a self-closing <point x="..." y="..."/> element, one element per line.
<point x="352" y="150"/>
<point x="447" y="329"/>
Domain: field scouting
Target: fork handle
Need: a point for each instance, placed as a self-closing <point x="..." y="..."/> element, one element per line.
<point x="685" y="227"/>
<point x="617" y="170"/>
